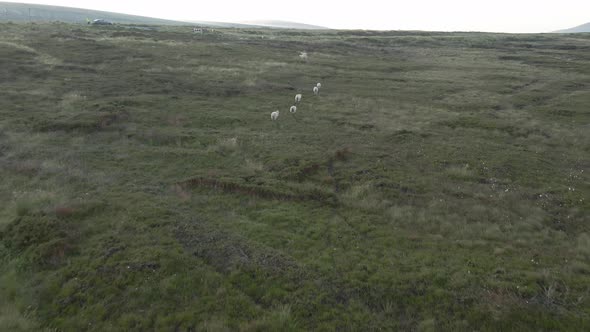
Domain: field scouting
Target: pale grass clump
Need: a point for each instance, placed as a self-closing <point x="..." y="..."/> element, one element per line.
<point x="492" y="232"/>
<point x="216" y="69"/>
<point x="478" y="223"/>
<point x="250" y="81"/>
<point x="364" y="196"/>
<point x="229" y="142"/>
<point x="434" y="219"/>
<point x="18" y="46"/>
<point x="420" y="219"/>
<point x="197" y="69"/>
<point x="174" y="69"/>
<point x="48" y="60"/>
<point x="12" y="319"/>
<point x="361" y="104"/>
<point x="530" y="222"/>
<point x="282" y="313"/>
<point x="53" y="166"/>
<point x="41" y="91"/>
<point x="259" y="68"/>
<point x="397" y="116"/>
<point x="225" y="145"/>
<point x="279" y="319"/>
<point x="43" y="58"/>
<point x="480" y="213"/>
<point x="272" y="64"/>
<point x="133" y="40"/>
<point x="427" y="325"/>
<point x="401" y="214"/>
<point x="215" y="325"/>
<point x="253" y="166"/>
<point x="153" y="70"/>
<point x="460" y="171"/>
<point x="583" y="244"/>
<point x="26" y="202"/>
<point x="70" y="100"/>
<point x="471" y="97"/>
<point x="580" y="266"/>
<point x="181" y="192"/>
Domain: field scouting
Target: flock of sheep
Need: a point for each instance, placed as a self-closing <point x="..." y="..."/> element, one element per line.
<point x="316" y="91"/>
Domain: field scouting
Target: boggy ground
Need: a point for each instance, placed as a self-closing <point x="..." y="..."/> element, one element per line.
<point x="439" y="181"/>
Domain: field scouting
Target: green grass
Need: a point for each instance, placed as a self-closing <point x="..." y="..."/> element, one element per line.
<point x="439" y="182"/>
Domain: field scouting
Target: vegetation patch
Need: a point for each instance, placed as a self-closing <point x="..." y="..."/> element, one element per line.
<point x="438" y="182"/>
<point x="262" y="191"/>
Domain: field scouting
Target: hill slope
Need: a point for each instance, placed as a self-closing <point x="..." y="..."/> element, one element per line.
<point x="440" y="181"/>
<point x="24" y="12"/>
<point x="223" y="24"/>
<point x="579" y="28"/>
<point x="285" y="25"/>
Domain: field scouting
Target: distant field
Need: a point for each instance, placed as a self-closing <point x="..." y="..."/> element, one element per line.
<point x="439" y="182"/>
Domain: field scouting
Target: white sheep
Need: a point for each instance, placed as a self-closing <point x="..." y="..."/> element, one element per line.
<point x="293" y="109"/>
<point x="303" y="56"/>
<point x="319" y="85"/>
<point x="297" y="98"/>
<point x="274" y="115"/>
<point x="316" y="90"/>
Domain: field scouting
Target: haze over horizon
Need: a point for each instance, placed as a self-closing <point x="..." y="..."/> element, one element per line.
<point x="527" y="16"/>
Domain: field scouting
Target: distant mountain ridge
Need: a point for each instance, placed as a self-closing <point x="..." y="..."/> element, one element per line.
<point x="24" y="12"/>
<point x="284" y="25"/>
<point x="579" y="28"/>
<point x="222" y="24"/>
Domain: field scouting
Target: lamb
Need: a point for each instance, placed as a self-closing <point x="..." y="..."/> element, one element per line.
<point x="297" y="98"/>
<point x="274" y="115"/>
<point x="319" y="85"/>
<point x="316" y="90"/>
<point x="293" y="109"/>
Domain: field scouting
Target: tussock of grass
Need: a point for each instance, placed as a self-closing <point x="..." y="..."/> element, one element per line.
<point x="583" y="244"/>
<point x="225" y="145"/>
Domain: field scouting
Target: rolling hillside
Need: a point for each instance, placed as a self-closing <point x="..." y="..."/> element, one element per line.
<point x="438" y="182"/>
<point x="580" y="28"/>
<point x="24" y="12"/>
<point x="285" y="25"/>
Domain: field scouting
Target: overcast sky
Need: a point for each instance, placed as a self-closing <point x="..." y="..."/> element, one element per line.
<point x="443" y="15"/>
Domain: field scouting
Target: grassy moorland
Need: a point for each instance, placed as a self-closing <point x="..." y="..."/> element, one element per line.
<point x="439" y="182"/>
